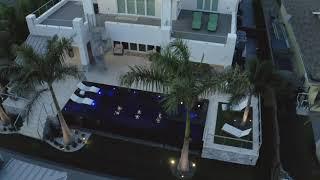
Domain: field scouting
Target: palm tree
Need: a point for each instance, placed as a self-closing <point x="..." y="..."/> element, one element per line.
<point x="181" y="80"/>
<point x="44" y="70"/>
<point x="262" y="76"/>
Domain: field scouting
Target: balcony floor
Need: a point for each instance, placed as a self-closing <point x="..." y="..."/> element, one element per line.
<point x="182" y="28"/>
<point x="64" y="15"/>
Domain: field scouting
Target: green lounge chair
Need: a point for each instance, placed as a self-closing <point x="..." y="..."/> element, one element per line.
<point x="213" y="22"/>
<point x="196" y="22"/>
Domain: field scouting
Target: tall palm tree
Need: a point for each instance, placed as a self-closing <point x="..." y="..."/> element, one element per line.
<point x="181" y="80"/>
<point x="262" y="76"/>
<point x="44" y="70"/>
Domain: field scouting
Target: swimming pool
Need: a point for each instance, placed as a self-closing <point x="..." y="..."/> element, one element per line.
<point x="135" y="114"/>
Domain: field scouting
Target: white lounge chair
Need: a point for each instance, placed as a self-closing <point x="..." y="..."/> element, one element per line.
<point x="80" y="100"/>
<point x="83" y="87"/>
<point x="235" y="131"/>
<point x="242" y="104"/>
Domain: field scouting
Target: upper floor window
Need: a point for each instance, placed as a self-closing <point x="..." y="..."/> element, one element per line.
<point x="209" y="5"/>
<point x="140" y="7"/>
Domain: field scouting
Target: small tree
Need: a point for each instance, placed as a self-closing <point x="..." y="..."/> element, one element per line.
<point x="44" y="70"/>
<point x="181" y="80"/>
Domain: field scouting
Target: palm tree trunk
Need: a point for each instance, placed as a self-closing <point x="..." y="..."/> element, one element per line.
<point x="183" y="165"/>
<point x="246" y="111"/>
<point x="67" y="135"/>
<point x="4" y="118"/>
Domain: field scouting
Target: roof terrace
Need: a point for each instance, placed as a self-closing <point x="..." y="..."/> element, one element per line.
<point x="60" y="13"/>
<point x="182" y="28"/>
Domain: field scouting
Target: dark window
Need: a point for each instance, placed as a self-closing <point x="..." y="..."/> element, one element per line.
<point x="142" y="47"/>
<point x="150" y="47"/>
<point x="96" y="8"/>
<point x="158" y="48"/>
<point x="125" y="45"/>
<point x="115" y="43"/>
<point x="133" y="46"/>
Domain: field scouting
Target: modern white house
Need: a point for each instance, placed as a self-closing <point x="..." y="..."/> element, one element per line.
<point x="142" y="26"/>
<point x="139" y="25"/>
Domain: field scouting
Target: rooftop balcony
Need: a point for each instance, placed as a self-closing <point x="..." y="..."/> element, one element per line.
<point x="182" y="28"/>
<point x="59" y="13"/>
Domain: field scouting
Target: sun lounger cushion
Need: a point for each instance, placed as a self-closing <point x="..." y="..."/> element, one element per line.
<point x="196" y="22"/>
<point x="80" y="100"/>
<point x="213" y="22"/>
<point x="83" y="87"/>
<point x="235" y="131"/>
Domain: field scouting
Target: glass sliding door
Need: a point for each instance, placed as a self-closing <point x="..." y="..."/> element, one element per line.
<point x="199" y="4"/>
<point x="215" y="5"/>
<point x="151" y="7"/>
<point x="121" y="6"/>
<point x="140" y="7"/>
<point x="207" y="4"/>
<point x="131" y="6"/>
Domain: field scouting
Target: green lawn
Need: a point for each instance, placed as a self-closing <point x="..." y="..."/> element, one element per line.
<point x="229" y="117"/>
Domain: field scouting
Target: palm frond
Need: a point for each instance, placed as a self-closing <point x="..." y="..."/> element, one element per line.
<point x="151" y="79"/>
<point x="180" y="50"/>
<point x="61" y="72"/>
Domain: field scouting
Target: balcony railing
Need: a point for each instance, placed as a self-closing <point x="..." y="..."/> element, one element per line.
<point x="45" y="7"/>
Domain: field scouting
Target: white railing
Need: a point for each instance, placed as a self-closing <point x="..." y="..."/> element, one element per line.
<point x="42" y="9"/>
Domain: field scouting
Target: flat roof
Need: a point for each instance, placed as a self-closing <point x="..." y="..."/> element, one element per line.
<point x="182" y="28"/>
<point x="306" y="27"/>
<point x="65" y="15"/>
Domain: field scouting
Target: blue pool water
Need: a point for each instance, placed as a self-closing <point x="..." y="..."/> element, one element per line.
<point x="137" y="117"/>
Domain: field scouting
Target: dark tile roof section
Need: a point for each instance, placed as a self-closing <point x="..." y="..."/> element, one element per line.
<point x="306" y="27"/>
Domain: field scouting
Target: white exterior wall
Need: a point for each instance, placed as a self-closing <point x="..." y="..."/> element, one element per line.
<point x="110" y="7"/>
<point x="224" y="6"/>
<point x="213" y="53"/>
<point x="136" y="33"/>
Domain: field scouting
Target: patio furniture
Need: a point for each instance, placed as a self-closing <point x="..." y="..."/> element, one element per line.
<point x="235" y="131"/>
<point x="80" y="100"/>
<point x="213" y="22"/>
<point x="118" y="49"/>
<point x="83" y="87"/>
<point x="197" y="20"/>
<point x="240" y="106"/>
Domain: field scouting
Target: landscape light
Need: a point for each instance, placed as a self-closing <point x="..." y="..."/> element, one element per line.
<point x="193" y="164"/>
<point x="181" y="102"/>
<point x="198" y="105"/>
<point x="172" y="162"/>
<point x="182" y="176"/>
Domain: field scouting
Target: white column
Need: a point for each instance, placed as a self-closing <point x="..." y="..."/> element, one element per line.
<point x="89" y="11"/>
<point x="81" y="40"/>
<point x="31" y="23"/>
<point x="166" y="14"/>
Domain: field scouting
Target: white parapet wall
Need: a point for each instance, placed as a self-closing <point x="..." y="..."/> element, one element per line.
<point x="212" y="150"/>
<point x="137" y="33"/>
<point x="213" y="53"/>
<point x="224" y="6"/>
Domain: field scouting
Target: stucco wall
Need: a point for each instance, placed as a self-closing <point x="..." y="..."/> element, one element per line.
<point x="224" y="6"/>
<point x="136" y="33"/>
<point x="213" y="53"/>
<point x="110" y="7"/>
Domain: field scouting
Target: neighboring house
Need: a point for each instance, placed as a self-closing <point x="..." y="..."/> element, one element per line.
<point x="302" y="21"/>
<point x="140" y="25"/>
<point x="303" y="26"/>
